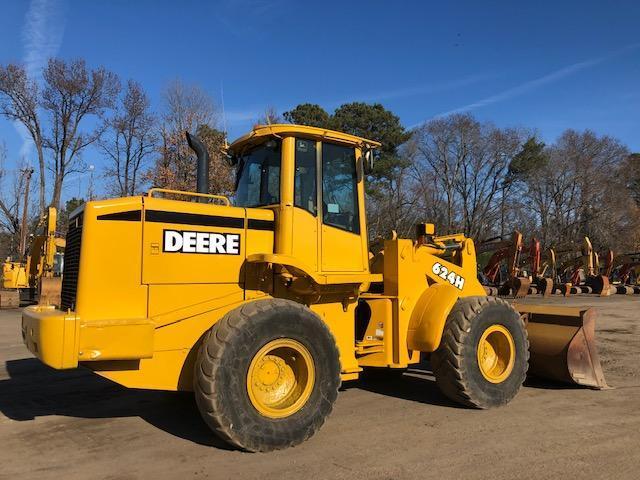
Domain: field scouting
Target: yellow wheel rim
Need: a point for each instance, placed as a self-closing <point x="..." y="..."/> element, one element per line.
<point x="280" y="378"/>
<point x="496" y="353"/>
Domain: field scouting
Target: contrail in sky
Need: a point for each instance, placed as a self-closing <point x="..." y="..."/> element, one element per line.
<point x="539" y="82"/>
<point x="41" y="38"/>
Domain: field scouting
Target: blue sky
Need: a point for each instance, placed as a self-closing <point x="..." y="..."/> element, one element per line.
<point x="543" y="65"/>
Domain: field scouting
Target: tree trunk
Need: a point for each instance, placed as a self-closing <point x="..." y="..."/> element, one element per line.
<point x="57" y="191"/>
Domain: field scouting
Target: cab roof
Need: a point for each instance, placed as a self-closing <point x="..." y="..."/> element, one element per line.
<point x="260" y="132"/>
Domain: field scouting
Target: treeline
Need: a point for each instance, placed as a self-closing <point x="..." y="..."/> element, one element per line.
<point x="457" y="172"/>
<point x="74" y="108"/>
<point x="474" y="177"/>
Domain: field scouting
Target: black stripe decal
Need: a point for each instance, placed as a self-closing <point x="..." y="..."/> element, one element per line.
<point x="159" y="216"/>
<point x="255" y="224"/>
<point x="130" y="216"/>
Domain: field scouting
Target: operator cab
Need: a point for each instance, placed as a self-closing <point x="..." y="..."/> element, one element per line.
<point x="313" y="179"/>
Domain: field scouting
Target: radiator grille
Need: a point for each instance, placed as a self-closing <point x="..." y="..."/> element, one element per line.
<point x="71" y="264"/>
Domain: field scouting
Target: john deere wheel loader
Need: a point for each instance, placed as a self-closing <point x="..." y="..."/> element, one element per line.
<point x="264" y="307"/>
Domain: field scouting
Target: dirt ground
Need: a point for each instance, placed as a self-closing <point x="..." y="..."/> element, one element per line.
<point x="75" y="425"/>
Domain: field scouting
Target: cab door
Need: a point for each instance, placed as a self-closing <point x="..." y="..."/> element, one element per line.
<point x="343" y="230"/>
<point x="305" y="202"/>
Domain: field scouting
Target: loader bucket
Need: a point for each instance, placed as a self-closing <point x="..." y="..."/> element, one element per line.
<point x="545" y="285"/>
<point x="562" y="344"/>
<point x="491" y="291"/>
<point x="50" y="289"/>
<point x="520" y="286"/>
<point x="624" y="290"/>
<point x="563" y="289"/>
<point x="599" y="284"/>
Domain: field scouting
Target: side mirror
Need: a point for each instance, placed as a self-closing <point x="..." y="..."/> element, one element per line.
<point x="368" y="161"/>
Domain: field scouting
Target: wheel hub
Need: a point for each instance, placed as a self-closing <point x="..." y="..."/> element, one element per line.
<point x="496" y="353"/>
<point x="280" y="378"/>
<point x="269" y="371"/>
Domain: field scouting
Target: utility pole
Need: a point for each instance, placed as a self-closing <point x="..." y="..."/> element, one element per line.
<point x="23" y="228"/>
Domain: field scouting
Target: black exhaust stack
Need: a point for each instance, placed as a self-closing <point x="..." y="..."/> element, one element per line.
<point x="202" y="182"/>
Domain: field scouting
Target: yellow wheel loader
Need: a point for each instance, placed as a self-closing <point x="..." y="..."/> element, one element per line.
<point x="41" y="271"/>
<point x="263" y="308"/>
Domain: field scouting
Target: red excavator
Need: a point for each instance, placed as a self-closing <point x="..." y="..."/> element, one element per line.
<point x="508" y="251"/>
<point x="540" y="282"/>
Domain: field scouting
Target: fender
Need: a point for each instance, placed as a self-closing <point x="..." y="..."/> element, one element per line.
<point x="429" y="316"/>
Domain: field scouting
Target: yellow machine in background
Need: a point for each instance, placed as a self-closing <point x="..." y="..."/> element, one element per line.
<point x="264" y="307"/>
<point x="14" y="275"/>
<point x="583" y="272"/>
<point x="40" y="272"/>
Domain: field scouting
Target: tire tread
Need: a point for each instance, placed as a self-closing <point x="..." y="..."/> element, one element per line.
<point x="447" y="361"/>
<point x="210" y="357"/>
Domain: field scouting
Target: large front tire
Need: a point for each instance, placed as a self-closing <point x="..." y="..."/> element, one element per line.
<point x="267" y="375"/>
<point x="483" y="356"/>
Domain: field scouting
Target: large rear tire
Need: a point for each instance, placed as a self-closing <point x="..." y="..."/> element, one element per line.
<point x="267" y="375"/>
<point x="483" y="356"/>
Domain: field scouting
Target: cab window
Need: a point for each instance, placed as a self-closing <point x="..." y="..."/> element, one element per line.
<point x="305" y="195"/>
<point x="340" y="188"/>
<point x="259" y="175"/>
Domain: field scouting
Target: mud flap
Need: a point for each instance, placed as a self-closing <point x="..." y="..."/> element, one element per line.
<point x="562" y="344"/>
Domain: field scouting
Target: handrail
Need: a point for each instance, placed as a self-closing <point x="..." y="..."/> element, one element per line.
<point x="222" y="198"/>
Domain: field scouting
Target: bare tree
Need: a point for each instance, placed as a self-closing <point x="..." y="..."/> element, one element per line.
<point x="71" y="94"/>
<point x="129" y="139"/>
<point x="481" y="185"/>
<point x="189" y="108"/>
<point x="590" y="192"/>
<point x="270" y="116"/>
<point x="221" y="174"/>
<point x="20" y="102"/>
<point x="12" y="202"/>
<point x="439" y="164"/>
<point x="461" y="169"/>
<point x="391" y="197"/>
<point x="185" y="108"/>
<point x="53" y="116"/>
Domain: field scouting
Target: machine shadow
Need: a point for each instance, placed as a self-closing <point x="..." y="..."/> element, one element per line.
<point x="35" y="390"/>
<point x="415" y="384"/>
<point x="547" y="384"/>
